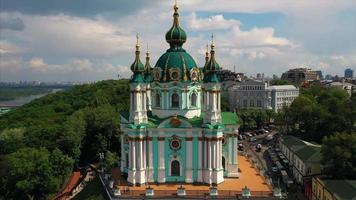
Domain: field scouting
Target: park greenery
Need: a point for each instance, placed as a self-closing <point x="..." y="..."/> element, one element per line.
<point x="319" y="112"/>
<point x="326" y="116"/>
<point x="42" y="142"/>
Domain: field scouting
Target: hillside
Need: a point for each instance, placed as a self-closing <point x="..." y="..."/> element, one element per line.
<point x="42" y="141"/>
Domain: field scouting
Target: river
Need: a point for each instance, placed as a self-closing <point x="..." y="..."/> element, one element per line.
<point x="23" y="100"/>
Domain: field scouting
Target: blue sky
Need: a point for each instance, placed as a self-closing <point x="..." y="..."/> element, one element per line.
<point x="90" y="40"/>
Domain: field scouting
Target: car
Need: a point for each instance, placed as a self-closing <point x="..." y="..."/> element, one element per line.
<point x="252" y="139"/>
<point x="274" y="169"/>
<point x="258" y="148"/>
<point x="240" y="147"/>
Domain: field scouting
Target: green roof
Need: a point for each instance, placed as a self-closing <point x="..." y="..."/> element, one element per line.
<point x="310" y="154"/>
<point x="306" y="151"/>
<point x="344" y="189"/>
<point x="228" y="118"/>
<point x="137" y="78"/>
<point x="211" y="77"/>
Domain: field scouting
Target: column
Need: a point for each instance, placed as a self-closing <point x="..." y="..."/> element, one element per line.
<point x="205" y="152"/>
<point x="189" y="157"/>
<point x="200" y="160"/>
<point x="144" y="153"/>
<point x="230" y="150"/>
<point x="130" y="155"/>
<point x="150" y="161"/>
<point x="161" y="170"/>
<point x="209" y="155"/>
<point x="133" y="156"/>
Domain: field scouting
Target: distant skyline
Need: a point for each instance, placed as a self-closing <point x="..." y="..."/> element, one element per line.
<point x="90" y="40"/>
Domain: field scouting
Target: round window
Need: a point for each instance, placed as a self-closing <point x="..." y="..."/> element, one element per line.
<point x="175" y="75"/>
<point x="175" y="144"/>
<point x="156" y="75"/>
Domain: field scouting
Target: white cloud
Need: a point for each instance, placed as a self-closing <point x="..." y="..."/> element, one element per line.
<point x="215" y="22"/>
<point x="64" y="35"/>
<point x="95" y="48"/>
<point x="7" y="47"/>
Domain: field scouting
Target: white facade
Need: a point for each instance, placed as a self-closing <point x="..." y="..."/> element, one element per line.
<point x="258" y="95"/>
<point x="282" y="95"/>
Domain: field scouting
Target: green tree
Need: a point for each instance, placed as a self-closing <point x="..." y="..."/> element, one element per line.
<point x="11" y="140"/>
<point x="111" y="160"/>
<point x="32" y="173"/>
<point x="339" y="155"/>
<point x="280" y="82"/>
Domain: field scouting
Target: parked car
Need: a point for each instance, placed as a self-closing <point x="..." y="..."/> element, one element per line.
<point x="274" y="169"/>
<point x="240" y="147"/>
<point x="252" y="139"/>
<point x="241" y="137"/>
<point x="258" y="148"/>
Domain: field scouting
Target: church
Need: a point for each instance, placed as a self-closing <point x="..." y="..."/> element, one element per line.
<point x="175" y="130"/>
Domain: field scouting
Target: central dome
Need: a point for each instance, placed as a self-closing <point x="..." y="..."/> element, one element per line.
<point x="176" y="63"/>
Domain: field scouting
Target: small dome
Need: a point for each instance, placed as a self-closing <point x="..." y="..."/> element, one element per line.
<point x="148" y="68"/>
<point x="176" y="36"/>
<point x="137" y="65"/>
<point x="211" y="67"/>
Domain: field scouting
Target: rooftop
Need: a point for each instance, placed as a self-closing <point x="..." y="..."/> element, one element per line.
<point x="344" y="189"/>
<point x="228" y="118"/>
<point x="282" y="87"/>
<point x="306" y="151"/>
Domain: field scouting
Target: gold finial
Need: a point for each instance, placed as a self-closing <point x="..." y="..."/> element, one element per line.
<point x="147" y="52"/>
<point x="176" y="5"/>
<point x="212" y="41"/>
<point x="137" y="42"/>
<point x="207" y="53"/>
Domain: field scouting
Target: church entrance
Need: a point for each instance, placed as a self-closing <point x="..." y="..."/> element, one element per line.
<point x="223" y="162"/>
<point x="175" y="168"/>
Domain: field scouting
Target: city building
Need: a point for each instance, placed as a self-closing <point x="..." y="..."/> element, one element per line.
<point x="254" y="94"/>
<point x="320" y="74"/>
<point x="348" y="87"/>
<point x="175" y="130"/>
<point x="325" y="189"/>
<point x="282" y="95"/>
<point x="303" y="157"/>
<point x="249" y="94"/>
<point x="300" y="75"/>
<point x="227" y="75"/>
<point x="349" y="73"/>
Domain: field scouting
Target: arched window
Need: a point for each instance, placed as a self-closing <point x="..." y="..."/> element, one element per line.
<point x="193" y="99"/>
<point x="158" y="100"/>
<point x="175" y="168"/>
<point x="175" y="100"/>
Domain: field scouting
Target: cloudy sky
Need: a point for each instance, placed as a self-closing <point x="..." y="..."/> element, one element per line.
<point x="89" y="40"/>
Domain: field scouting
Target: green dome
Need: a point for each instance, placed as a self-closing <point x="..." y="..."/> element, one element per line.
<point x="148" y="69"/>
<point x="176" y="63"/>
<point x="175" y="59"/>
<point x="176" y="36"/>
<point x="211" y="67"/>
<point x="137" y="65"/>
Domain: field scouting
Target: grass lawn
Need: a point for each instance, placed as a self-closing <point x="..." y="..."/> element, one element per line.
<point x="93" y="191"/>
